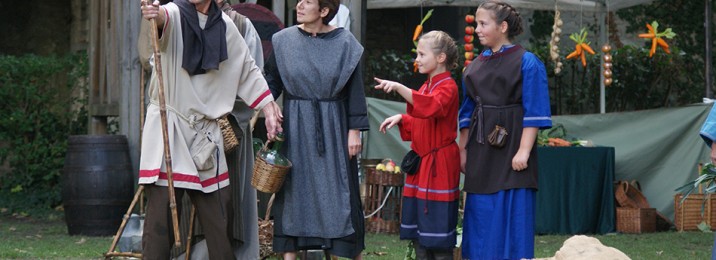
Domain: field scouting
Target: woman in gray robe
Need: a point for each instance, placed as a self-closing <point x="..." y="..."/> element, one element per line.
<point x="316" y="67"/>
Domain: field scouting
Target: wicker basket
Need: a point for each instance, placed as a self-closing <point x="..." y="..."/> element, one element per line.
<point x="629" y="196"/>
<point x="266" y="232"/>
<point x="230" y="140"/>
<point x="636" y="220"/>
<point x="268" y="177"/>
<point x="688" y="215"/>
<point x="384" y="178"/>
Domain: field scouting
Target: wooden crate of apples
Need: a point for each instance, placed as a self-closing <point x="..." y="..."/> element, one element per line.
<point x="386" y="173"/>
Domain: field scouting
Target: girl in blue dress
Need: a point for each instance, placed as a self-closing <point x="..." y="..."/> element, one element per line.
<point x="506" y="86"/>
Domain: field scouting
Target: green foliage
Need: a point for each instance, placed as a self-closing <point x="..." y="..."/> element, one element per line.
<point x="707" y="179"/>
<point x="541" y="27"/>
<point x="41" y="110"/>
<point x="390" y="65"/>
<point x="686" y="18"/>
<point x="640" y="82"/>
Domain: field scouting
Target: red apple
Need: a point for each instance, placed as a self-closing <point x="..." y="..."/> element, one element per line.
<point x="390" y="167"/>
<point x="469" y="38"/>
<point x="469" y="47"/>
<point x="469" y="30"/>
<point x="467" y="62"/>
<point x="469" y="19"/>
<point x="469" y="55"/>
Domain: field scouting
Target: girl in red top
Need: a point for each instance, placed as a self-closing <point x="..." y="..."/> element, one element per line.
<point x="430" y="196"/>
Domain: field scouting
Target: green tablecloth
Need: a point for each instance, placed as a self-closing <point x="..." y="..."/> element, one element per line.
<point x="576" y="194"/>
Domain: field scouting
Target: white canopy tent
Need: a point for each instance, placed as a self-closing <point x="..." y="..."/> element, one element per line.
<point x="567" y="5"/>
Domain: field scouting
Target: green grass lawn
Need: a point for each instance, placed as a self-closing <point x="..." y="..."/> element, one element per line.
<point x="26" y="238"/>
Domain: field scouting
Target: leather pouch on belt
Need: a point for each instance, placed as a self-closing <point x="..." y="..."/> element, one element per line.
<point x="498" y="136"/>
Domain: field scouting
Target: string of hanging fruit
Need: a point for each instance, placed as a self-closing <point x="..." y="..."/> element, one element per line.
<point x="607" y="58"/>
<point x="469" y="38"/>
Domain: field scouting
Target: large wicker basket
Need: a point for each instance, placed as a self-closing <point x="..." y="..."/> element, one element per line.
<point x="268" y="177"/>
<point x="696" y="208"/>
<point x="636" y="220"/>
<point x="629" y="196"/>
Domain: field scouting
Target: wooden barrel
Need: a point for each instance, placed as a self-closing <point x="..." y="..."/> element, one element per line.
<point x="97" y="184"/>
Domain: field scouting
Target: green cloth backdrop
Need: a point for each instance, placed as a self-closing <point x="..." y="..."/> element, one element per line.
<point x="660" y="148"/>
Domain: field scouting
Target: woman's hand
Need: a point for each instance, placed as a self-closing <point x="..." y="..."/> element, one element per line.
<point x="354" y="143"/>
<point x="519" y="162"/>
<point x="390" y="122"/>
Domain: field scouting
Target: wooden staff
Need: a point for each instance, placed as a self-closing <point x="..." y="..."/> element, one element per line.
<point x="165" y="131"/>
<point x="191" y="232"/>
<point x="141" y="106"/>
<point x="110" y="253"/>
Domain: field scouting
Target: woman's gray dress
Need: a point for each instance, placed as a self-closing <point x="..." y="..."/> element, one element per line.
<point x="319" y="205"/>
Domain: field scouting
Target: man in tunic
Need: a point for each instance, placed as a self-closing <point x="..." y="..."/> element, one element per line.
<point x="243" y="223"/>
<point x="206" y="64"/>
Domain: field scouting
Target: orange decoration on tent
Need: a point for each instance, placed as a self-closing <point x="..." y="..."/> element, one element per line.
<point x="581" y="48"/>
<point x="416" y="35"/>
<point x="656" y="37"/>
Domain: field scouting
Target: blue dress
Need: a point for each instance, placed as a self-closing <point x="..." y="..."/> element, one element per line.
<point x="499" y="215"/>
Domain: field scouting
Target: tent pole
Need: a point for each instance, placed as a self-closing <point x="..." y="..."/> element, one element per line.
<point x="602" y="39"/>
<point x="707" y="60"/>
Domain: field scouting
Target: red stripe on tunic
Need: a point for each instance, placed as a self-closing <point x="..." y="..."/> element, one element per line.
<point x="261" y="98"/>
<point x="184" y="177"/>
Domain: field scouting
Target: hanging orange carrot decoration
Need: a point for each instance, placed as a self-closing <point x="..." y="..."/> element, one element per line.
<point x="657" y="38"/>
<point x="416" y="35"/>
<point x="419" y="28"/>
<point x="581" y="47"/>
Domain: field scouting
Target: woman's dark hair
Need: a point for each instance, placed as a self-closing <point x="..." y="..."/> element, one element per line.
<point x="504" y="12"/>
<point x="332" y="6"/>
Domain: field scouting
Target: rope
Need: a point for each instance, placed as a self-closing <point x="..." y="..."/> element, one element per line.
<point x="382" y="204"/>
<point x="581" y="12"/>
<point x="607" y="4"/>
